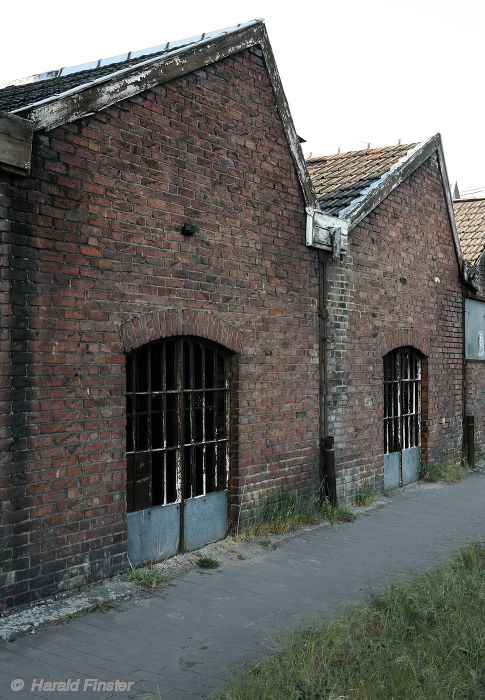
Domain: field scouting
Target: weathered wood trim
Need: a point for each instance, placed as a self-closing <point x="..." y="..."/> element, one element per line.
<point x="451" y="215"/>
<point x="360" y="209"/>
<point x="357" y="211"/>
<point x="319" y="230"/>
<point x="92" y="97"/>
<point x="120" y="85"/>
<point x="15" y="143"/>
<point x="306" y="184"/>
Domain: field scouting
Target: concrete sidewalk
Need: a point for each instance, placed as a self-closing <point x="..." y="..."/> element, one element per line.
<point x="184" y="641"/>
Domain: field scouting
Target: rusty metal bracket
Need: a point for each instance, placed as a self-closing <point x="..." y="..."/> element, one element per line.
<point x="336" y="239"/>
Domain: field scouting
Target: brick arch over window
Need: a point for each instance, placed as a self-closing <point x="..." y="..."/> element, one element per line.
<point x="170" y="322"/>
<point x="404" y="337"/>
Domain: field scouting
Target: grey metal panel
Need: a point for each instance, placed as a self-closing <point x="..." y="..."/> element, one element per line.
<point x="153" y="533"/>
<point x="205" y="519"/>
<point x="474" y="329"/>
<point x="410" y="465"/>
<point x="391" y="471"/>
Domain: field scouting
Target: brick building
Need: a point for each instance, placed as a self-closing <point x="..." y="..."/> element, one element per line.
<point x="154" y="245"/>
<point x="185" y="315"/>
<point x="470" y="221"/>
<point x="393" y="312"/>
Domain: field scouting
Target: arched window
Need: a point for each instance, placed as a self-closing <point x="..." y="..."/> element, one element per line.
<point x="402" y="416"/>
<point x="177" y="405"/>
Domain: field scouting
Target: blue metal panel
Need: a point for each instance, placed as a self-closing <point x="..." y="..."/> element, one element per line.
<point x="205" y="519"/>
<point x="410" y="464"/>
<point x="153" y="533"/>
<point x="391" y="471"/>
<point x="474" y="329"/>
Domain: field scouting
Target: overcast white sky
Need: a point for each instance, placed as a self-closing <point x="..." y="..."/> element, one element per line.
<point x="354" y="71"/>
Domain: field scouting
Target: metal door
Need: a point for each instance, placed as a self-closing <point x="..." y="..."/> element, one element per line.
<point x="402" y="417"/>
<point x="177" y="447"/>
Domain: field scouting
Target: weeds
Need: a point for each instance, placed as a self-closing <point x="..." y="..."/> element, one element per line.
<point x="207" y="563"/>
<point x="366" y="495"/>
<point x="284" y="514"/>
<point x="288" y="513"/>
<point x="67" y="617"/>
<point x="339" y="513"/>
<point x="146" y="576"/>
<point x="453" y="471"/>
<point x="100" y="605"/>
<point x="449" y="469"/>
<point x="423" y="639"/>
<point x="431" y="472"/>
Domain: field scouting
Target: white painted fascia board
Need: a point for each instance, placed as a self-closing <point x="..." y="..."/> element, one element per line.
<point x="378" y="190"/>
<point x="451" y="215"/>
<point x="135" y="72"/>
<point x="319" y="228"/>
<point x="372" y="196"/>
<point x="172" y="53"/>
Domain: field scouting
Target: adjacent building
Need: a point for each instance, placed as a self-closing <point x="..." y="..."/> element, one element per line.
<point x="470" y="220"/>
<point x="393" y="338"/>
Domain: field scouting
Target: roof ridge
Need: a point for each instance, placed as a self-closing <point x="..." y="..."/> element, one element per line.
<point x="129" y="56"/>
<point x="316" y="159"/>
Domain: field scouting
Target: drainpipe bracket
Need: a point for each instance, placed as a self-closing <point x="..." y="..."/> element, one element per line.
<point x="326" y="232"/>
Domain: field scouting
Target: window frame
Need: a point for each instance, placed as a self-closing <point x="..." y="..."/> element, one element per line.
<point x="194" y="430"/>
<point x="403" y="374"/>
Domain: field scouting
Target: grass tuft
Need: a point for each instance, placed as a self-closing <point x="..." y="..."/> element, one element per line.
<point x="365" y="496"/>
<point x="425" y="638"/>
<point x="101" y="605"/>
<point x="449" y="469"/>
<point x="207" y="563"/>
<point x="146" y="576"/>
<point x="339" y="513"/>
<point x="288" y="513"/>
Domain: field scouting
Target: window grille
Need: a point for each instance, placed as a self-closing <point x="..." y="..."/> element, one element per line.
<point x="177" y="407"/>
<point x="402" y="400"/>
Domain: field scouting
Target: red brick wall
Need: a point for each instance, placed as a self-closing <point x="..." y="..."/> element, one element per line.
<point x="399" y="285"/>
<point x="92" y="240"/>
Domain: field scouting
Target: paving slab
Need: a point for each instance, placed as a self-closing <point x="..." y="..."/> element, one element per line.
<point x="185" y="640"/>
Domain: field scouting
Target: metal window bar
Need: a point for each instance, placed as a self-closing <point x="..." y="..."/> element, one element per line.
<point x="402" y="400"/>
<point x="181" y="388"/>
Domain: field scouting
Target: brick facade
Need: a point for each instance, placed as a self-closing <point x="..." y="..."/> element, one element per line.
<point x="398" y="286"/>
<point x="93" y="263"/>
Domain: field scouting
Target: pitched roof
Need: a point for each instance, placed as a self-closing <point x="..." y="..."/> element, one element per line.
<point x="341" y="179"/>
<point x="24" y="92"/>
<point x="350" y="185"/>
<point x="51" y="99"/>
<point x="470" y="221"/>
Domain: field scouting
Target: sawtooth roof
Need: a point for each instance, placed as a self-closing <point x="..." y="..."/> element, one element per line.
<point x="470" y="221"/>
<point x="27" y="91"/>
<point x="342" y="178"/>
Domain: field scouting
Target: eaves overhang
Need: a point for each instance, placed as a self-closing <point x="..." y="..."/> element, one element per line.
<point x="102" y="92"/>
<point x="15" y="143"/>
<point x="322" y="228"/>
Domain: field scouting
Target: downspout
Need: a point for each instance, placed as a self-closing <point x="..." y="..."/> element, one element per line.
<point x="327" y="234"/>
<point x="328" y="488"/>
<point x="468" y="438"/>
